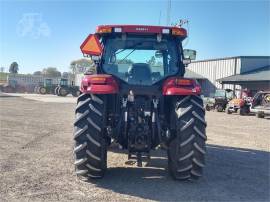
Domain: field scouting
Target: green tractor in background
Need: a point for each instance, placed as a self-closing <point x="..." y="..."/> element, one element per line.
<point x="47" y="87"/>
<point x="63" y="89"/>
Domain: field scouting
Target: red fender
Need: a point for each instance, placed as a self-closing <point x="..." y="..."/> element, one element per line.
<point x="180" y="86"/>
<point x="99" y="84"/>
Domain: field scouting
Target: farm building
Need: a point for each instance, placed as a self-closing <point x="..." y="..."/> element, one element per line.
<point x="215" y="70"/>
<point x="254" y="80"/>
<point x="24" y="79"/>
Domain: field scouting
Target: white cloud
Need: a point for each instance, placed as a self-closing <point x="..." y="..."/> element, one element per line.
<point x="32" y="24"/>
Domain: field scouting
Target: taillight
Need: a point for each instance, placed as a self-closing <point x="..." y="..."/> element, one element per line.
<point x="99" y="83"/>
<point x="98" y="80"/>
<point x="184" y="82"/>
<point x="180" y="86"/>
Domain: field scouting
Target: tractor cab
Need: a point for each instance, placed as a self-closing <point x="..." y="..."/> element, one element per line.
<point x="222" y="97"/>
<point x="63" y="82"/>
<point x="63" y="88"/>
<point x="224" y="94"/>
<point x="48" y="82"/>
<point x="138" y="55"/>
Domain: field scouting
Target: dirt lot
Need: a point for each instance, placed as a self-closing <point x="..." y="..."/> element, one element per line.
<point x="36" y="161"/>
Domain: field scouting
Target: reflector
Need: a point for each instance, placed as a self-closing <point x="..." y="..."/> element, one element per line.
<point x="91" y="46"/>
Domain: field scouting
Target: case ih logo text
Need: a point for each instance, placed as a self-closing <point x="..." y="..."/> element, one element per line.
<point x="141" y="29"/>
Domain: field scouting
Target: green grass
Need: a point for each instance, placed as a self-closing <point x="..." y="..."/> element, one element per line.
<point x="3" y="76"/>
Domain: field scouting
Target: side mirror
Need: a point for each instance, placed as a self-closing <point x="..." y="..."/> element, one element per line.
<point x="189" y="55"/>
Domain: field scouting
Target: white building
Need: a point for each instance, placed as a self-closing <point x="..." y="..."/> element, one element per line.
<point x="223" y="67"/>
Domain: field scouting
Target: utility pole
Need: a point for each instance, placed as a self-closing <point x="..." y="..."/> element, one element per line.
<point x="169" y="12"/>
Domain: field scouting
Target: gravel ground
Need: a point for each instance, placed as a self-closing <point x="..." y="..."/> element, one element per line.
<point x="36" y="162"/>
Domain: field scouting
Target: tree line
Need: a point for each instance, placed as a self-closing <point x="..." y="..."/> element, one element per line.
<point x="76" y="66"/>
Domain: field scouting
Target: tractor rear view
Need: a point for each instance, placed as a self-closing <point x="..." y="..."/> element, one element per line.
<point x="47" y="87"/>
<point x="63" y="89"/>
<point x="139" y="99"/>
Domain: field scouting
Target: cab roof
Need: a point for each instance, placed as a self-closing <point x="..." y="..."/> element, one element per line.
<point x="142" y="29"/>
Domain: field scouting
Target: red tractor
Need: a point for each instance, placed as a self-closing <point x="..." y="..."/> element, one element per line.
<point x="139" y="99"/>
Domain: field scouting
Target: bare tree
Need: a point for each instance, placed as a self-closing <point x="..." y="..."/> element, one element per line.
<point x="51" y="71"/>
<point x="37" y="73"/>
<point x="81" y="65"/>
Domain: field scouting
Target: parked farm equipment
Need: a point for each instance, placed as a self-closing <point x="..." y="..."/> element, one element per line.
<point x="261" y="104"/>
<point x="46" y="87"/>
<point x="63" y="89"/>
<point x="220" y="100"/>
<point x="13" y="87"/>
<point x="240" y="105"/>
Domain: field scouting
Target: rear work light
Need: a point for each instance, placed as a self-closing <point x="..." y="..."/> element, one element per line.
<point x="179" y="32"/>
<point x="165" y="31"/>
<point x="118" y="29"/>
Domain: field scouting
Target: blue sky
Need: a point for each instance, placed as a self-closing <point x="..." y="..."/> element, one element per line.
<point x="39" y="34"/>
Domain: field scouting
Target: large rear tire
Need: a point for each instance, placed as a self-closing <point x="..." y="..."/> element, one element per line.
<point x="42" y="90"/>
<point x="90" y="150"/>
<point x="56" y="90"/>
<point x="187" y="150"/>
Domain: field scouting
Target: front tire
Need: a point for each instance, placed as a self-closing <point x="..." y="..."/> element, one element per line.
<point x="63" y="92"/>
<point x="207" y="108"/>
<point x="90" y="150"/>
<point x="187" y="150"/>
<point x="219" y="108"/>
<point x="76" y="93"/>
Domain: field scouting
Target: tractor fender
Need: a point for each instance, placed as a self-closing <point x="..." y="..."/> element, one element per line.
<point x="99" y="84"/>
<point x="180" y="86"/>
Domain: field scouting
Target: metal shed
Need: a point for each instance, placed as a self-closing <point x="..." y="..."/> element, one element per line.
<point x="254" y="80"/>
<point x="215" y="69"/>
